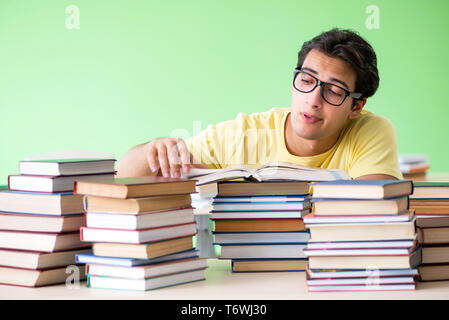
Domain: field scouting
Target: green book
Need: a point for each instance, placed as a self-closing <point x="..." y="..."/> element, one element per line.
<point x="430" y="190"/>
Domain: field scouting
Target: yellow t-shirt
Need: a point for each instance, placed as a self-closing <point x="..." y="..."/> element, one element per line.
<point x="367" y="144"/>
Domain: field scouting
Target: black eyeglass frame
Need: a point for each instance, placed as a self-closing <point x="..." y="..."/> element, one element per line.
<point x="355" y="95"/>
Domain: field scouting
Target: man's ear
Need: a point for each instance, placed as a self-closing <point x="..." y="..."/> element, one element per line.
<point x="357" y="108"/>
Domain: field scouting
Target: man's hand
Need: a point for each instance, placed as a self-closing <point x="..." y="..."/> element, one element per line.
<point x="167" y="154"/>
<point x="170" y="155"/>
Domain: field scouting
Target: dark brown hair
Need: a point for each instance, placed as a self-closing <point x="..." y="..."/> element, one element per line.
<point x="351" y="48"/>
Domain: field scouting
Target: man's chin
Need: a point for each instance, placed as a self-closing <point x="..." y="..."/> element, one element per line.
<point x="308" y="135"/>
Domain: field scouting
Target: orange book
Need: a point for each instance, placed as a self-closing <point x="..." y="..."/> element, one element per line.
<point x="258" y="225"/>
<point x="135" y="187"/>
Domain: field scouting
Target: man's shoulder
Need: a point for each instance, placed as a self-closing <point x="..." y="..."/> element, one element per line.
<point x="273" y="112"/>
<point x="270" y="115"/>
<point x="370" y="121"/>
<point x="267" y="119"/>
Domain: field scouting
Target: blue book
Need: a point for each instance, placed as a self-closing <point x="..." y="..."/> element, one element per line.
<point x="237" y="238"/>
<point x="260" y="206"/>
<point x="362" y="189"/>
<point x="89" y="258"/>
<point x="260" y="199"/>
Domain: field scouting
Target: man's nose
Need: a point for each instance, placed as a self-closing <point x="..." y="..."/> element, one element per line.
<point x="314" y="98"/>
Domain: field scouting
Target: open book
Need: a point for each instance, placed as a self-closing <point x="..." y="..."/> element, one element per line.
<point x="270" y="172"/>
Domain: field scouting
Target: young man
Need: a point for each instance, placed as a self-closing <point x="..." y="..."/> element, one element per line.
<point x="325" y="127"/>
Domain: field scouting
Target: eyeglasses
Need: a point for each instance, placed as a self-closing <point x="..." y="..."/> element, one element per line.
<point x="331" y="93"/>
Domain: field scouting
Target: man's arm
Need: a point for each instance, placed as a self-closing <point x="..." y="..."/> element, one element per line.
<point x="134" y="163"/>
<point x="167" y="154"/>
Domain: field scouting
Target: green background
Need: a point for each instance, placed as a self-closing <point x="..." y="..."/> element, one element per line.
<point x="136" y="70"/>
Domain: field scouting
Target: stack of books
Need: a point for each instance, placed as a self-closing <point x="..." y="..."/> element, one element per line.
<point x="414" y="166"/>
<point x="363" y="236"/>
<point x="257" y="213"/>
<point x="142" y="231"/>
<point x="40" y="219"/>
<point x="430" y="201"/>
<point x="259" y="226"/>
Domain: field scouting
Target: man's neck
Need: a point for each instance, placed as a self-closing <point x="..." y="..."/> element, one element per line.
<point x="301" y="147"/>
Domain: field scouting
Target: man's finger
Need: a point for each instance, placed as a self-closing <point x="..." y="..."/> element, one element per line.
<point x="163" y="160"/>
<point x="174" y="159"/>
<point x="184" y="155"/>
<point x="152" y="158"/>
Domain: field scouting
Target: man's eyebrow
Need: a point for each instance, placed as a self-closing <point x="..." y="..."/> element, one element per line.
<point x="340" y="82"/>
<point x="331" y="79"/>
<point x="310" y="70"/>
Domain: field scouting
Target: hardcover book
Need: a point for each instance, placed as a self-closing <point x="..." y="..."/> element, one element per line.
<point x="137" y="236"/>
<point x="367" y="262"/>
<point x="258" y="225"/>
<point x="40" y="223"/>
<point x="262" y="251"/>
<point x="268" y="265"/>
<point x="89" y="258"/>
<point x="344" y="207"/>
<point x="50" y="184"/>
<point x="150" y="250"/>
<point x="138" y="222"/>
<point x="137" y="205"/>
<point x="41" y="203"/>
<point x="147" y="271"/>
<point x="38" y="260"/>
<point x="36" y="278"/>
<point x="362" y="231"/>
<point x="312" y="218"/>
<point x="66" y="167"/>
<point x="270" y="172"/>
<point x="428" y="189"/>
<point x="135" y="187"/>
<point x="362" y="189"/>
<point x="40" y="241"/>
<point x="273" y="214"/>
<point x="144" y="284"/>
<point x="222" y="238"/>
<point x="267" y="188"/>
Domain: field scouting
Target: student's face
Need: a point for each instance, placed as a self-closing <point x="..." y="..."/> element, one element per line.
<point x="312" y="118"/>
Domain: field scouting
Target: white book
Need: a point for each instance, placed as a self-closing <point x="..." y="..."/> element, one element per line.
<point x="141" y="221"/>
<point x="58" y="167"/>
<point x="373" y="280"/>
<point x="41" y="241"/>
<point x="137" y="236"/>
<point x="130" y="262"/>
<point x="341" y="288"/>
<point x="326" y="274"/>
<point x="356" y="219"/>
<point x="262" y="251"/>
<point x="361" y="244"/>
<point x="357" y="252"/>
<point x="51" y="183"/>
<point x="144" y="284"/>
<point x="147" y="271"/>
<point x="413" y="158"/>
<point x="261" y="237"/>
<point x="252" y="199"/>
<point x="284" y="214"/>
<point x="259" y="206"/>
